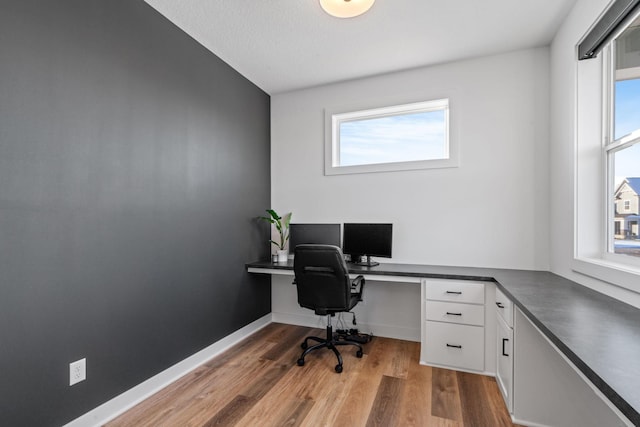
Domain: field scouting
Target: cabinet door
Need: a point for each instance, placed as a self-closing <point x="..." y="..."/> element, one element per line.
<point x="504" y="361"/>
<point x="504" y="307"/>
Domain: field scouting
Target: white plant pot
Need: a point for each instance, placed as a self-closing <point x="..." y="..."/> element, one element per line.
<point x="283" y="256"/>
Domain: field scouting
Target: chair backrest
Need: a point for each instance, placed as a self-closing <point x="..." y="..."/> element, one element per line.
<point x="322" y="278"/>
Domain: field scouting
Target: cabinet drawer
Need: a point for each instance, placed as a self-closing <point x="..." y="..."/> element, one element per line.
<point x="504" y="307"/>
<point x="457" y="346"/>
<point x="468" y="314"/>
<point x="455" y="291"/>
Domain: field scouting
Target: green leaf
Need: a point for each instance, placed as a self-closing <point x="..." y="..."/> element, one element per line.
<point x="286" y="219"/>
<point x="273" y="214"/>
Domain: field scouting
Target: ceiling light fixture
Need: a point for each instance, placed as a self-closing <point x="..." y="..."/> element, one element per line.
<point x="346" y="8"/>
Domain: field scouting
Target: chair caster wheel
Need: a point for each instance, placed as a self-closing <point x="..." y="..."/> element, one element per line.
<point x="300" y="362"/>
<point x="304" y="345"/>
<point x="338" y="368"/>
<point x="359" y="354"/>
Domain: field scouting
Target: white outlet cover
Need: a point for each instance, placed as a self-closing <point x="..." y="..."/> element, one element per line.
<point x="77" y="371"/>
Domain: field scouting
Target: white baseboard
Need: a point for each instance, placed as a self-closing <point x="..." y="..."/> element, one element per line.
<point x="119" y="404"/>
<point x="526" y="423"/>
<point x="378" y="330"/>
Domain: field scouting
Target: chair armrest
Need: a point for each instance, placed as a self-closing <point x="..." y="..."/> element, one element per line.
<point x="357" y="287"/>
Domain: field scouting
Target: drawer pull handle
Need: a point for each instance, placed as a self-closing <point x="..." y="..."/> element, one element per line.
<point x="499" y="304"/>
<point x="454" y="292"/>
<point x="454" y="345"/>
<point x="504" y="341"/>
<point x="453" y="314"/>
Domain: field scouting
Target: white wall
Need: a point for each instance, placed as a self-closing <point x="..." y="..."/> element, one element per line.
<point x="563" y="130"/>
<point x="492" y="211"/>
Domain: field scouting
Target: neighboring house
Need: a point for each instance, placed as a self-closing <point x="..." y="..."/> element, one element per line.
<point x="627" y="213"/>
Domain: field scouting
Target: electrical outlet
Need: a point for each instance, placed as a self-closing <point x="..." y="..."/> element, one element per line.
<point x="77" y="371"/>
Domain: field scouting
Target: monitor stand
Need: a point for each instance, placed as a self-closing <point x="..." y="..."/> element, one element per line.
<point x="367" y="263"/>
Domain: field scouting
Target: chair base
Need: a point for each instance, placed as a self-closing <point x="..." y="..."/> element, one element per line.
<point x="331" y="343"/>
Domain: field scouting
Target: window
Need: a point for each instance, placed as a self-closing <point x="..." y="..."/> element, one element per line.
<point x="622" y="142"/>
<point x="402" y="137"/>
<point x="607" y="169"/>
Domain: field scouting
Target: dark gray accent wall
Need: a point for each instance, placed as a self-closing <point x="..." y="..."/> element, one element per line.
<point x="132" y="161"/>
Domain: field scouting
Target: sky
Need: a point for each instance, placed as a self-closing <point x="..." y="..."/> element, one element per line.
<point x="627" y="120"/>
<point x="405" y="137"/>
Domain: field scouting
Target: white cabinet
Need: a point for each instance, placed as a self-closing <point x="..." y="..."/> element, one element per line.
<point x="453" y="319"/>
<point x="504" y="347"/>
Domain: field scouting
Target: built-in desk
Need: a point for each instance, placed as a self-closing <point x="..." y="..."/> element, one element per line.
<point x="407" y="273"/>
<point x="596" y="333"/>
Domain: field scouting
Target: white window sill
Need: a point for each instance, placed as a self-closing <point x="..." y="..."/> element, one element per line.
<point x="451" y="162"/>
<point x="617" y="274"/>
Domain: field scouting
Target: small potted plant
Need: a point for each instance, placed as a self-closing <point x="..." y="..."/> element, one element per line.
<point x="282" y="226"/>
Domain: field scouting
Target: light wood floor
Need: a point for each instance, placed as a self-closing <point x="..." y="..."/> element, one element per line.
<point x="257" y="383"/>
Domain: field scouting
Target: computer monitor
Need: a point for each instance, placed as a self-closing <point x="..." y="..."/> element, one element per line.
<point x="367" y="240"/>
<point x="318" y="234"/>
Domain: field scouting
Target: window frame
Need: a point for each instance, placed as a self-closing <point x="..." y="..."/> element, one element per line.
<point x="334" y="117"/>
<point x="594" y="204"/>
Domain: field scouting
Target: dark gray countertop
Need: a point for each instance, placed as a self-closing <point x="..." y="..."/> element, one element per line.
<point x="599" y="334"/>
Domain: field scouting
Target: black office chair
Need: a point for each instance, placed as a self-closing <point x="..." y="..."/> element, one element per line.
<point x="323" y="283"/>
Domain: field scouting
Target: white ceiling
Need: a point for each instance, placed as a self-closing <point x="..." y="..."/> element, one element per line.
<point x="282" y="45"/>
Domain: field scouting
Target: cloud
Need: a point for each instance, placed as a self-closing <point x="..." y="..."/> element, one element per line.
<point x="407" y="137"/>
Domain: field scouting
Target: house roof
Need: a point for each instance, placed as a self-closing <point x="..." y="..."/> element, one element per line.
<point x="634" y="183"/>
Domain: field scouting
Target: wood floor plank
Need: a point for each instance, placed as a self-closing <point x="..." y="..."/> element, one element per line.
<point x="475" y="412"/>
<point x="317" y="382"/>
<point x="311" y="382"/>
<point x="232" y="412"/>
<point x="295" y="413"/>
<point x="384" y="412"/>
<point x="445" y="398"/>
<point x="220" y="391"/>
<point x="337" y="394"/>
<point x="401" y="358"/>
<point x="415" y="400"/>
<point x="242" y="403"/>
<point x="264" y="337"/>
<point x="249" y="382"/>
<point x="285" y="343"/>
<point x="262" y="384"/>
<point x="444" y="422"/>
<point x="378" y="360"/>
<point x="258" y="383"/>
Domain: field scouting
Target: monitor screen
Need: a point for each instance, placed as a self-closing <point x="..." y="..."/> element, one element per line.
<point x="319" y="234"/>
<point x="368" y="239"/>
